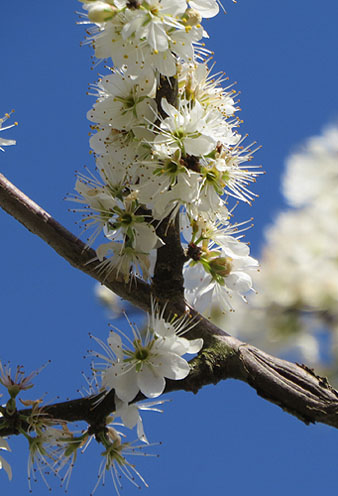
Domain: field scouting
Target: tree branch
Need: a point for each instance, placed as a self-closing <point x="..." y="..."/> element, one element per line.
<point x="71" y="248"/>
<point x="167" y="282"/>
<point x="295" y="388"/>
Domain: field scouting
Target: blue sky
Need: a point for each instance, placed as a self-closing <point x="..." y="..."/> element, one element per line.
<point x="226" y="439"/>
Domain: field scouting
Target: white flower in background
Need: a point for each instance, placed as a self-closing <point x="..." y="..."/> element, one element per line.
<point x="268" y="325"/>
<point x="295" y="310"/>
<point x="3" y="141"/>
<point x="3" y="463"/>
<point x="109" y="299"/>
<point x="151" y="356"/>
<point x="312" y="172"/>
<point x="301" y="267"/>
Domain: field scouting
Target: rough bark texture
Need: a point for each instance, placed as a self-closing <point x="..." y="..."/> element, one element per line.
<point x="295" y="388"/>
<point x="168" y="281"/>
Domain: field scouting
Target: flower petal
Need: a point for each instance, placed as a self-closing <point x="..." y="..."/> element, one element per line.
<point x="150" y="384"/>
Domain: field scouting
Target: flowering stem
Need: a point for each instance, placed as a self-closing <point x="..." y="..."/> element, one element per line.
<point x="295" y="388"/>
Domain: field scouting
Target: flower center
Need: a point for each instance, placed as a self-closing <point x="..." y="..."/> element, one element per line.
<point x="141" y="354"/>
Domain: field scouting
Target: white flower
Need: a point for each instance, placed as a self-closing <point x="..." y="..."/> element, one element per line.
<point x="197" y="83"/>
<point x="219" y="274"/>
<point x="207" y="8"/>
<point x="165" y="190"/>
<point x="130" y="414"/>
<point x="185" y="129"/>
<point x="150" y="36"/>
<point x="153" y="22"/>
<point x="18" y="382"/>
<point x="3" y="463"/>
<point x="115" y="461"/>
<point x="100" y="11"/>
<point x="115" y="215"/>
<point x="6" y="142"/>
<point x="152" y="356"/>
<point x="312" y="173"/>
<point x="109" y="299"/>
<point x="125" y="101"/>
<point x="124" y="260"/>
<point x="52" y="450"/>
<point x="235" y="177"/>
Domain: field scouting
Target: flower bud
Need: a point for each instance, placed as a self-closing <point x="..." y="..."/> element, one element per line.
<point x="220" y="266"/>
<point x="101" y="12"/>
<point x="192" y="18"/>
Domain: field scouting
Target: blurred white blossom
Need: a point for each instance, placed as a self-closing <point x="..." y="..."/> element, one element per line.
<point x="297" y="283"/>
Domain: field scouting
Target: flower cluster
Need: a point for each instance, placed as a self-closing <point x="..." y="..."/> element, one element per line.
<point x="140" y="365"/>
<point x="166" y="143"/>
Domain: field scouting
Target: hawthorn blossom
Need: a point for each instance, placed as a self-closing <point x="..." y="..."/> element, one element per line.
<point x="3" y="141"/>
<point x="3" y="463"/>
<point x="151" y="356"/>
